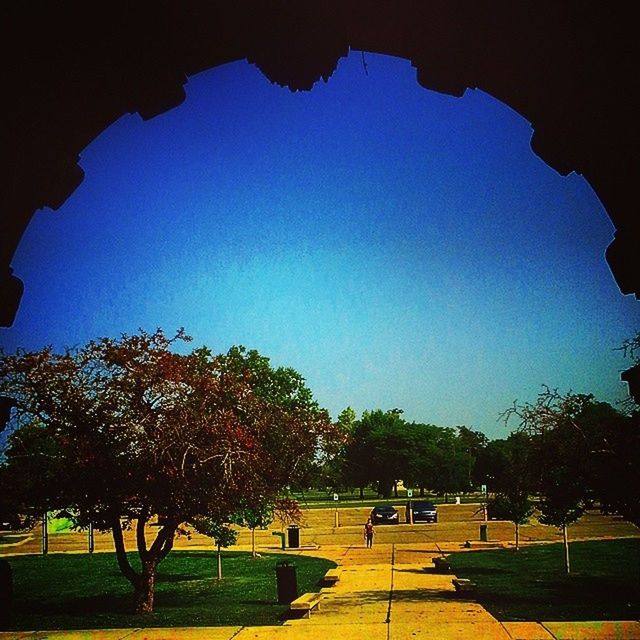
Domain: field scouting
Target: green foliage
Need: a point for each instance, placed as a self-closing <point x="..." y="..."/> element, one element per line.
<point x="121" y="430"/>
<point x="220" y="532"/>
<point x="517" y="507"/>
<point x="383" y="449"/>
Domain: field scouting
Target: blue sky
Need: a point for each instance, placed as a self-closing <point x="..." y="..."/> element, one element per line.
<point x="398" y="247"/>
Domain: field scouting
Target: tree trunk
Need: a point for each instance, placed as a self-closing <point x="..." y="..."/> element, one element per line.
<point x="253" y="542"/>
<point x="517" y="536"/>
<point x="567" y="566"/>
<point x="145" y="582"/>
<point x="422" y="492"/>
<point x="219" y="563"/>
<point x="121" y="553"/>
<point x="361" y="493"/>
<point x="146" y="588"/>
<point x="395" y="489"/>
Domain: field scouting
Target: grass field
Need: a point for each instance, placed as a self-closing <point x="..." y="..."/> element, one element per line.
<point x="66" y="591"/>
<point x="531" y="585"/>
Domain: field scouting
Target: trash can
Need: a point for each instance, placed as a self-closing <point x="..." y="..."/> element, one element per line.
<point x="286" y="582"/>
<point x="294" y="536"/>
<point x="6" y="594"/>
<point x="483" y="532"/>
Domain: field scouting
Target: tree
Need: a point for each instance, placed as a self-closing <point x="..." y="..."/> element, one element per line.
<point x="121" y="430"/>
<point x="221" y="533"/>
<point x="259" y="514"/>
<point x="357" y="470"/>
<point x="423" y="456"/>
<point x="560" y="453"/>
<point x="347" y="420"/>
<point x="451" y="463"/>
<point x="513" y="505"/>
<point x="473" y="443"/>
<point x="512" y="480"/>
<point x="330" y="474"/>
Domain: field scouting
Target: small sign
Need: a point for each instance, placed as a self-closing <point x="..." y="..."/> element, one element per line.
<point x="409" y="493"/>
<point x="336" y="497"/>
<point x="484" y="488"/>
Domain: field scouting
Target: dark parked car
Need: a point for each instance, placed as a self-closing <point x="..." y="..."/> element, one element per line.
<point x="423" y="511"/>
<point x="384" y="515"/>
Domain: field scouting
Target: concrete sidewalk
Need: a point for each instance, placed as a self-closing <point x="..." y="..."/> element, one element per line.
<point x="389" y="592"/>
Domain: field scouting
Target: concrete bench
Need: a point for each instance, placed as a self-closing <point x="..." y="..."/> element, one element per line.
<point x="331" y="577"/>
<point x="305" y="603"/>
<point x="441" y="565"/>
<point x="462" y="585"/>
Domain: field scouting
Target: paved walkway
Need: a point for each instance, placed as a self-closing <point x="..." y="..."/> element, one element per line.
<point x="385" y="593"/>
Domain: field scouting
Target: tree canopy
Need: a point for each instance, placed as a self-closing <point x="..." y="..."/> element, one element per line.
<point x="122" y="430"/>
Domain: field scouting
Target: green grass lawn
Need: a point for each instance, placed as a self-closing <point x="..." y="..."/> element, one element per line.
<point x="530" y="584"/>
<point x="65" y="591"/>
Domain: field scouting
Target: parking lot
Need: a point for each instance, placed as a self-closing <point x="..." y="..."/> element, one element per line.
<point x="457" y="524"/>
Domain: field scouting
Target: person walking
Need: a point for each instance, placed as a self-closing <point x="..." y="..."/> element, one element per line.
<point x="369" y="533"/>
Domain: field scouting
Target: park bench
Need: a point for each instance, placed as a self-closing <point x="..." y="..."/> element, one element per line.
<point x="462" y="585"/>
<point x="331" y="577"/>
<point x="305" y="603"/>
<point x="441" y="564"/>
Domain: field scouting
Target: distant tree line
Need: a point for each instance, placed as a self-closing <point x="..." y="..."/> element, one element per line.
<point x="565" y="453"/>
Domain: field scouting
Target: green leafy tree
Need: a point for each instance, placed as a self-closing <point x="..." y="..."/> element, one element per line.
<point x="331" y="473"/>
<point x="357" y="470"/>
<point x="422" y="456"/>
<point x="123" y="430"/>
<point x="513" y="505"/>
<point x="512" y="481"/>
<point x="473" y="443"/>
<point x="257" y="514"/>
<point x="561" y="448"/>
<point x="222" y="534"/>
<point x="452" y="462"/>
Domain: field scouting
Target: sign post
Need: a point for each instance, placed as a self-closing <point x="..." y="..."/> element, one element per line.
<point x="45" y="534"/>
<point x="484" y="502"/>
<point x="410" y="495"/>
<point x="91" y="540"/>
<point x="336" y="497"/>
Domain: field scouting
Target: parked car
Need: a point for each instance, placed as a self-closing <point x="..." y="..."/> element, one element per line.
<point x="423" y="511"/>
<point x="384" y="515"/>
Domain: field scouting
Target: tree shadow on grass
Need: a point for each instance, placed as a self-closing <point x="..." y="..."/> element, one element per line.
<point x="117" y="604"/>
<point x="481" y="571"/>
<point x="179" y="577"/>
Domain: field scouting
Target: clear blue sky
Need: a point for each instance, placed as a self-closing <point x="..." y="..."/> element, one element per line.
<point x="398" y="247"/>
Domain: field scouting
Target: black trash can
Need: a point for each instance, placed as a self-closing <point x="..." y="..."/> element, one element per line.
<point x="286" y="582"/>
<point x="6" y="594"/>
<point x="294" y="536"/>
<point x="483" y="532"/>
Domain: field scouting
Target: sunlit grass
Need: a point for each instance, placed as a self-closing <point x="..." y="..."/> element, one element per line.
<point x="530" y="584"/>
<point x="69" y="591"/>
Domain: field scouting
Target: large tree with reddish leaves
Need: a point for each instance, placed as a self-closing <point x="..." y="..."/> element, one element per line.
<point x="123" y="430"/>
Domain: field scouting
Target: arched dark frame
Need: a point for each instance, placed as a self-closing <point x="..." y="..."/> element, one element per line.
<point x="569" y="68"/>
